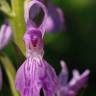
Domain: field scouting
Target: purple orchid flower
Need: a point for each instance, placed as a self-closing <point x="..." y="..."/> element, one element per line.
<point x="35" y="73"/>
<point x="0" y="78"/>
<point x="5" y="35"/>
<point x="72" y="87"/>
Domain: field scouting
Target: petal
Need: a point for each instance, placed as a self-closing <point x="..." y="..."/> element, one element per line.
<point x="30" y="6"/>
<point x="50" y="81"/>
<point x="78" y="81"/>
<point x="55" y="20"/>
<point x="64" y="91"/>
<point x="28" y="77"/>
<point x="63" y="76"/>
<point x="33" y="38"/>
<point x="20" y="80"/>
<point x="5" y="35"/>
<point x="48" y="93"/>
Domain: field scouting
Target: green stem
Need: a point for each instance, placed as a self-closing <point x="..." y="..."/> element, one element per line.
<point x="17" y="23"/>
<point x="11" y="72"/>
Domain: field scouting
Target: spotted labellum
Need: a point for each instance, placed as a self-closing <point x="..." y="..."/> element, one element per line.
<point x="35" y="74"/>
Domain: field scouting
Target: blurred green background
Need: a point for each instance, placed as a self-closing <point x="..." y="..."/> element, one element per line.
<point x="76" y="45"/>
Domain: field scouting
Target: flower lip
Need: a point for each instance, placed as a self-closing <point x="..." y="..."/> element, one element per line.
<point x="35" y="32"/>
<point x="35" y="40"/>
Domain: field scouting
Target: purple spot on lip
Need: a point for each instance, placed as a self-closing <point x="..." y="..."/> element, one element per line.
<point x="33" y="37"/>
<point x="33" y="32"/>
<point x="26" y="92"/>
<point x="34" y="41"/>
<point x="27" y="83"/>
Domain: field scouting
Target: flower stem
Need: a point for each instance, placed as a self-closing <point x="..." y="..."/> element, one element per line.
<point x="17" y="23"/>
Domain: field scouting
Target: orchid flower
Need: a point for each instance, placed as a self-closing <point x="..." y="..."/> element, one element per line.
<point x="35" y="73"/>
<point x="5" y="35"/>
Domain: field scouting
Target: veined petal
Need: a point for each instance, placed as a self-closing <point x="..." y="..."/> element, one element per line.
<point x="28" y="77"/>
<point x="5" y="35"/>
<point x="50" y="82"/>
<point x="78" y="81"/>
<point x="63" y="76"/>
<point x="64" y="91"/>
<point x="20" y="80"/>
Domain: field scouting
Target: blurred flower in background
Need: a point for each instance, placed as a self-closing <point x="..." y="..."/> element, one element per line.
<point x="5" y="35"/>
<point x="55" y="20"/>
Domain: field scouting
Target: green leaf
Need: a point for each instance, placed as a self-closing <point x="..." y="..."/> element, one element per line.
<point x="10" y="71"/>
<point x="4" y="7"/>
